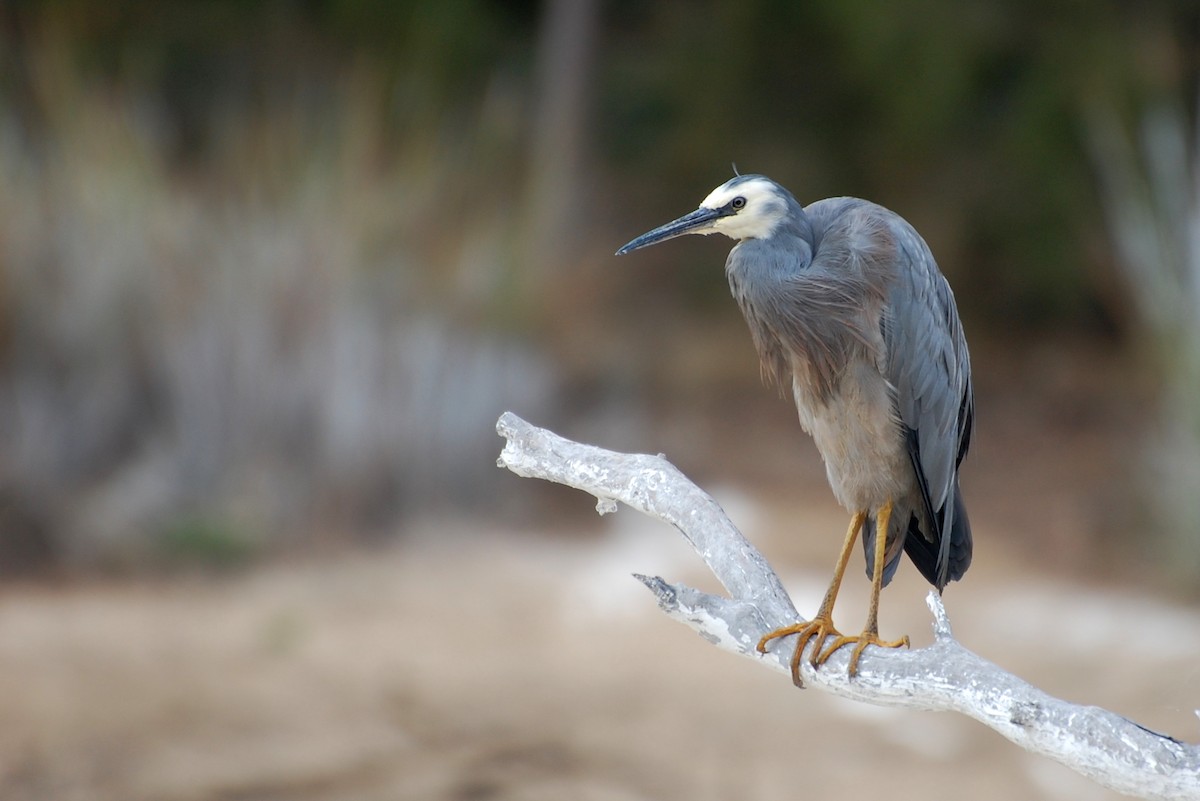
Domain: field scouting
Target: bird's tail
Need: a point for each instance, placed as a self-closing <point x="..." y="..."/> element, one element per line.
<point x="940" y="563"/>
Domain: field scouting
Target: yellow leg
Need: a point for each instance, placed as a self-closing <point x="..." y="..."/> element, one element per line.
<point x="870" y="632"/>
<point x="820" y="627"/>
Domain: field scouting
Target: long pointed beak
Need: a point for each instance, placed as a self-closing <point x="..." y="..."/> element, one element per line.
<point x="694" y="223"/>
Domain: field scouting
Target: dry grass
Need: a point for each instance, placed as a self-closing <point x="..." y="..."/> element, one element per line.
<point x="292" y="335"/>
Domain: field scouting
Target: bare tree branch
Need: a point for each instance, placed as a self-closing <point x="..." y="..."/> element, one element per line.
<point x="1099" y="744"/>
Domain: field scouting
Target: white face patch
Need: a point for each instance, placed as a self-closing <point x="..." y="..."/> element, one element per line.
<point x="763" y="212"/>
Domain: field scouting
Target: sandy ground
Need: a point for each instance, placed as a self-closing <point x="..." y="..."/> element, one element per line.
<point x="471" y="664"/>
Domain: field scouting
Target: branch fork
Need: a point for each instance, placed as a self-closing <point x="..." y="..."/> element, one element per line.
<point x="1113" y="751"/>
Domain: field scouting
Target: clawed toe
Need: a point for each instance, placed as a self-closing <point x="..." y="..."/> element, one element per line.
<point x="816" y="631"/>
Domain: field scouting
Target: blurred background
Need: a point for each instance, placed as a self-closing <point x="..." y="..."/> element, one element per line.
<point x="270" y="271"/>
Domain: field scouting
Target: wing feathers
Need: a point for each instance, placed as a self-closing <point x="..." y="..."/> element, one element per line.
<point x="929" y="367"/>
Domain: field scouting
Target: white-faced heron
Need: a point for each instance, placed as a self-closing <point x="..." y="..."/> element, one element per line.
<point x="844" y="299"/>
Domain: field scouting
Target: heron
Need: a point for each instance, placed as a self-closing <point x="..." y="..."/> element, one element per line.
<point x="845" y="303"/>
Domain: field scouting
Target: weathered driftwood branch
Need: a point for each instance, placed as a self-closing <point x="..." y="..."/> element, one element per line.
<point x="1099" y="744"/>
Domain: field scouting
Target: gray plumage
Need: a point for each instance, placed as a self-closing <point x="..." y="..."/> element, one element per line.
<point x="846" y="305"/>
<point x="847" y="308"/>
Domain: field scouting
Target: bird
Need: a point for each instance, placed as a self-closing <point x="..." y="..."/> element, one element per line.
<point x="846" y="307"/>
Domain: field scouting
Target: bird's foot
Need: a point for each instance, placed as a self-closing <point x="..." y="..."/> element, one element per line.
<point x="816" y="631"/>
<point x="868" y="637"/>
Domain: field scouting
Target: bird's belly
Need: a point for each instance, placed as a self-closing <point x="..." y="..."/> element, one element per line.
<point x="860" y="439"/>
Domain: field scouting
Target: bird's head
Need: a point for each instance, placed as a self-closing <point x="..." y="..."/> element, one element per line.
<point x="744" y="207"/>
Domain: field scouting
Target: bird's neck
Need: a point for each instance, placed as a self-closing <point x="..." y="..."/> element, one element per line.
<point x="799" y="226"/>
<point x="802" y="322"/>
<point x="761" y="263"/>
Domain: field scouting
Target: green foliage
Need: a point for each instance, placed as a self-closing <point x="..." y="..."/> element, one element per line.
<point x="207" y="542"/>
<point x="295" y="228"/>
<point x="961" y="115"/>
